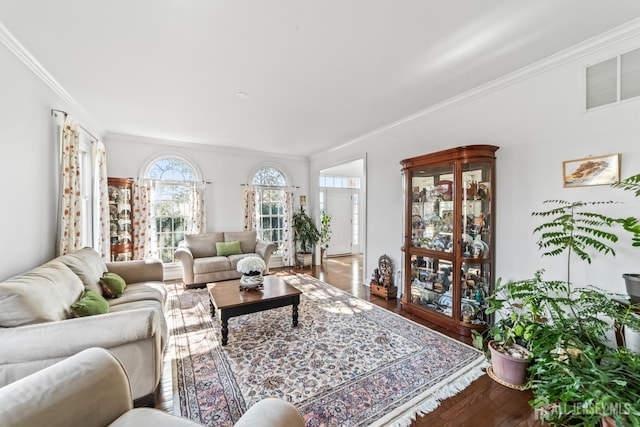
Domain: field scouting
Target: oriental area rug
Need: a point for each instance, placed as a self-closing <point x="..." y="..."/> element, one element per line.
<point x="347" y="363"/>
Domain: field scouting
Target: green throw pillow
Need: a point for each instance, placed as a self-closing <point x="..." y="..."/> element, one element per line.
<point x="228" y="248"/>
<point x="90" y="304"/>
<point x="112" y="285"/>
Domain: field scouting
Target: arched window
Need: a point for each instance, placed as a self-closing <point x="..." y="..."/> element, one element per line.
<point x="177" y="190"/>
<point x="270" y="186"/>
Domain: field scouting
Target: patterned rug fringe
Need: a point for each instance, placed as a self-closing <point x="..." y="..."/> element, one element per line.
<point x="430" y="400"/>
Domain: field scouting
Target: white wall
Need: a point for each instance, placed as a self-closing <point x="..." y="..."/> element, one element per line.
<point x="226" y="170"/>
<point x="538" y="122"/>
<point x="27" y="167"/>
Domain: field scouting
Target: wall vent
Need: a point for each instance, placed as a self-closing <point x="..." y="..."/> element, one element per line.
<point x="614" y="80"/>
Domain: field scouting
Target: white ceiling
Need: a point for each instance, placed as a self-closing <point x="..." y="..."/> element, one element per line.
<point x="316" y="73"/>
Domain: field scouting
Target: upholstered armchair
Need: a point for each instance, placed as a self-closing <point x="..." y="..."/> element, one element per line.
<point x="212" y="257"/>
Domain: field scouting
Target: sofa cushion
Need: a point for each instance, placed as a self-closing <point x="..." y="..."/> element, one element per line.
<point x="204" y="244"/>
<point x="88" y="265"/>
<point x="91" y="304"/>
<point x="152" y="291"/>
<point x="44" y="294"/>
<point x="228" y="248"/>
<point x="211" y="264"/>
<point x="247" y="239"/>
<point x="112" y="284"/>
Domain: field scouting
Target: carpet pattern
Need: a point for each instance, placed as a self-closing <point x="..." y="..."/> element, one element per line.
<point x="348" y="363"/>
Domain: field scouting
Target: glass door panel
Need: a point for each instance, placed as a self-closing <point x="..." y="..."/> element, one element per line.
<point x="474" y="287"/>
<point x="476" y="210"/>
<point x="432" y="208"/>
<point x="431" y="280"/>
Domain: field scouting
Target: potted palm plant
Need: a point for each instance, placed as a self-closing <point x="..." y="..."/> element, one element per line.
<point x="306" y="235"/>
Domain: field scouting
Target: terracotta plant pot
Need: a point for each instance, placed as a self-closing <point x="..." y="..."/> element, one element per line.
<point x="633" y="287"/>
<point x="512" y="370"/>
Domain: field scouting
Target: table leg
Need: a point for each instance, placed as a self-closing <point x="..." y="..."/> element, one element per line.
<point x="295" y="314"/>
<point x="224" y="321"/>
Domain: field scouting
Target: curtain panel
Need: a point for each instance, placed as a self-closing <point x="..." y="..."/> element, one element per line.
<point x="70" y="203"/>
<point x="144" y="224"/>
<point x="102" y="239"/>
<point x="196" y="223"/>
<point x="250" y="208"/>
<point x="288" y="250"/>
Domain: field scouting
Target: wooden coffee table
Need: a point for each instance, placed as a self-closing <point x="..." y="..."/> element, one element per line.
<point x="231" y="301"/>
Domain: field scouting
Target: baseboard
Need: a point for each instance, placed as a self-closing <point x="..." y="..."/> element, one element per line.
<point x="172" y="271"/>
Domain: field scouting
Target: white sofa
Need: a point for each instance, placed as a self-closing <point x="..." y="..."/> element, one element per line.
<point x="91" y="389"/>
<point x="38" y="329"/>
<point x="202" y="264"/>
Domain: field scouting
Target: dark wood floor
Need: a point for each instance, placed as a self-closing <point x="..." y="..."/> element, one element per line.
<point x="484" y="403"/>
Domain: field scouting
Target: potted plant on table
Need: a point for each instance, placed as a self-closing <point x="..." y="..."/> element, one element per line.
<point x="325" y="233"/>
<point x="306" y="235"/>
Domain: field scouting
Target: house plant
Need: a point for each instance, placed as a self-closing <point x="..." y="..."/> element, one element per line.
<point x="575" y="373"/>
<point x="632" y="225"/>
<point x="325" y="232"/>
<point x="306" y="235"/>
<point x="509" y="336"/>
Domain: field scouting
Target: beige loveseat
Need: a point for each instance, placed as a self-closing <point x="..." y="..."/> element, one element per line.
<point x="201" y="262"/>
<point x="38" y="328"/>
<point x="90" y="389"/>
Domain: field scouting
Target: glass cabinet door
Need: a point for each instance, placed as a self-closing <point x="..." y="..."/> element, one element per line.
<point x="476" y="211"/>
<point x="120" y="218"/>
<point x="475" y="286"/>
<point x="432" y="209"/>
<point x="431" y="284"/>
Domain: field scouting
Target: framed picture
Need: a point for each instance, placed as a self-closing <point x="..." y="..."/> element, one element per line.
<point x="600" y="170"/>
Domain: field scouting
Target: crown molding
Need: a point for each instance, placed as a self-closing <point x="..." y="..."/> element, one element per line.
<point x="32" y="64"/>
<point x="586" y="47"/>
<point x="128" y="138"/>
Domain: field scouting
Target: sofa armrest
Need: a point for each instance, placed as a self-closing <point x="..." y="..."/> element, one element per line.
<point x="265" y="249"/>
<point x="138" y="271"/>
<point x="55" y="340"/>
<point x="88" y="389"/>
<point x="185" y="256"/>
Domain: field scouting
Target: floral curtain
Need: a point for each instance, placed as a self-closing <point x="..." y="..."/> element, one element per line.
<point x="144" y="224"/>
<point x="196" y="223"/>
<point x="250" y="217"/>
<point x="70" y="203"/>
<point x="288" y="250"/>
<point x="103" y="245"/>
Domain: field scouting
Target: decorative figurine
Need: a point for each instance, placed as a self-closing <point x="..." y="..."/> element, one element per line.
<point x="382" y="279"/>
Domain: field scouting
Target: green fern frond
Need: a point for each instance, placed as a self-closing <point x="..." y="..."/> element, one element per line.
<point x="630" y="184"/>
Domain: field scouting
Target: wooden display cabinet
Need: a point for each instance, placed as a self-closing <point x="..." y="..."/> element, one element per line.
<point x="449" y="239"/>
<point x="121" y="218"/>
